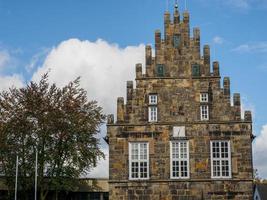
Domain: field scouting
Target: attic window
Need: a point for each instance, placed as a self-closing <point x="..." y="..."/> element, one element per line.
<point x="160" y="70"/>
<point x="153" y="109"/>
<point x="204" y="97"/>
<point x="195" y="70"/>
<point x="153" y="99"/>
<point x="176" y="40"/>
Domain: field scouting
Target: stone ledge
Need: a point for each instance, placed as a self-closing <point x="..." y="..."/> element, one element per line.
<point x="178" y="78"/>
<point x="182" y="123"/>
<point x="180" y="180"/>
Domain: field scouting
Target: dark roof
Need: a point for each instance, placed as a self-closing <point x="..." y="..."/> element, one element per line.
<point x="262" y="189"/>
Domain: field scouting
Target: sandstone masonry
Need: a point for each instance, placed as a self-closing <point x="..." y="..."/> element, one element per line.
<point x="177" y="135"/>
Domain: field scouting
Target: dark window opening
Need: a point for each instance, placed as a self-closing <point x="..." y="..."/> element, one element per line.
<point x="195" y="70"/>
<point x="176" y="41"/>
<point x="160" y="70"/>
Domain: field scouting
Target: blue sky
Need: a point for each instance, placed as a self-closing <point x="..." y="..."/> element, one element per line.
<point x="33" y="34"/>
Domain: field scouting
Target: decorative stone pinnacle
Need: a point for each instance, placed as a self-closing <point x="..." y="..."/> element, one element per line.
<point x="176" y="4"/>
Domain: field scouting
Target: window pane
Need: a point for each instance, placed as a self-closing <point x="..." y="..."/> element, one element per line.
<point x="195" y="70"/>
<point x="143" y="151"/>
<point x="139" y="160"/>
<point x="220" y="159"/>
<point x="176" y="40"/>
<point x="143" y="169"/>
<point x="160" y="70"/>
<point x="183" y="168"/>
<point x="153" y="99"/>
<point x="216" y="168"/>
<point x="175" y="150"/>
<point x="134" y="151"/>
<point x="224" y="149"/>
<point x="204" y="112"/>
<point x="215" y="150"/>
<point x="175" y="168"/>
<point x="153" y="113"/>
<point x="179" y="159"/>
<point x="225" y="168"/>
<point x="135" y="169"/>
<point x="204" y="97"/>
<point x="183" y="147"/>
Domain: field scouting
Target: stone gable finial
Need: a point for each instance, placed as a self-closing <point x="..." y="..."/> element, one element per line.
<point x="176" y="4"/>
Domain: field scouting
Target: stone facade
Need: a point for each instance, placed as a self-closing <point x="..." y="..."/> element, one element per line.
<point x="177" y="75"/>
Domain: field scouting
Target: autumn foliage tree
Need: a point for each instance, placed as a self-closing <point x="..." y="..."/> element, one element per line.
<point x="60" y="124"/>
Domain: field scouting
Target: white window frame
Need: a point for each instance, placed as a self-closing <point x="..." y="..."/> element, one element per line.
<point x="153" y="109"/>
<point x="220" y="159"/>
<point x="204" y="116"/>
<point x="153" y="99"/>
<point x="138" y="160"/>
<point x="204" y="97"/>
<point x="152" y="113"/>
<point x="179" y="159"/>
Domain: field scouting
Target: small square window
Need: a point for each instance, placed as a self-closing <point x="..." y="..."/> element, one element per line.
<point x="176" y="40"/>
<point x="153" y="99"/>
<point x="195" y="70"/>
<point x="160" y="70"/>
<point x="204" y="97"/>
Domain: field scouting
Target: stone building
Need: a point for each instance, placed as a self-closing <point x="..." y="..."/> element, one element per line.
<point x="180" y="134"/>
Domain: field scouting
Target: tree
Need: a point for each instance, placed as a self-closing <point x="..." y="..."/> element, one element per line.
<point x="256" y="176"/>
<point x="258" y="179"/>
<point x="60" y="124"/>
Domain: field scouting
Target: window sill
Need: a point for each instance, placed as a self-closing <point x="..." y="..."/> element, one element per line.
<point x="138" y="179"/>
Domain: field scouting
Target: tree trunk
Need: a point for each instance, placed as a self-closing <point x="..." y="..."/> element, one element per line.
<point x="56" y="195"/>
<point x="43" y="194"/>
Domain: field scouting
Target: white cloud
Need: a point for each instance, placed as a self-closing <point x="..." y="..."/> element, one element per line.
<point x="7" y="81"/>
<point x="260" y="152"/>
<point x="4" y="58"/>
<point x="237" y="5"/>
<point x="244" y="48"/>
<point x="37" y="59"/>
<point x="218" y="40"/>
<point x="104" y="69"/>
<point x="102" y="169"/>
<point x="241" y="4"/>
<point x="246" y="4"/>
<point x="11" y="81"/>
<point x="257" y="47"/>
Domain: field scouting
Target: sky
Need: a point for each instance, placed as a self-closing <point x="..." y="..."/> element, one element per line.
<point x="101" y="41"/>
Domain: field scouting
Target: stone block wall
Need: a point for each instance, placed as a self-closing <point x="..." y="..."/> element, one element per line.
<point x="200" y="183"/>
<point x="178" y="74"/>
